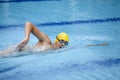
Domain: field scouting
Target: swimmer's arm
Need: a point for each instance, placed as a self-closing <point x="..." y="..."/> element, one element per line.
<point x="7" y="51"/>
<point x="22" y="44"/>
<point x="31" y="28"/>
<point x="38" y="33"/>
<point x="102" y="44"/>
<point x="4" y="52"/>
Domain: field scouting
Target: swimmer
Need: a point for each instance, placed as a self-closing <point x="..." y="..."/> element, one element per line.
<point x="44" y="42"/>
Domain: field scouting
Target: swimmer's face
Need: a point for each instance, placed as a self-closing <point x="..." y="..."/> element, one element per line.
<point x="59" y="44"/>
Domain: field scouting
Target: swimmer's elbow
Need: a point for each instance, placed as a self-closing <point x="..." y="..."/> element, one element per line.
<point x="28" y="23"/>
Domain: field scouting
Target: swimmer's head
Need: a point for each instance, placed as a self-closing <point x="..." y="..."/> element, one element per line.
<point x="62" y="38"/>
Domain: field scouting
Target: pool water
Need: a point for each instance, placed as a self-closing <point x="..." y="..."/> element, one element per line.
<point x="87" y="22"/>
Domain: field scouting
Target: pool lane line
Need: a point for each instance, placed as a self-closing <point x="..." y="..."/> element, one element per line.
<point x="93" y="64"/>
<point x="115" y="19"/>
<point x="9" y="1"/>
<point x="81" y="21"/>
<point x="8" y="69"/>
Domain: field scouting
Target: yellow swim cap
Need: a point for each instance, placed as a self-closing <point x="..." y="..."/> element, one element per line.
<point x="62" y="36"/>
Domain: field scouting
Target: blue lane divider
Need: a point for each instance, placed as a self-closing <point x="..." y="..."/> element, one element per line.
<point x="8" y="1"/>
<point x="95" y="64"/>
<point x="116" y="19"/>
<point x="5" y="69"/>
<point x="81" y="21"/>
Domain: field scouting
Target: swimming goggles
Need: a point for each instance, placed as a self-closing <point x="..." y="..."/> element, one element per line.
<point x="62" y="41"/>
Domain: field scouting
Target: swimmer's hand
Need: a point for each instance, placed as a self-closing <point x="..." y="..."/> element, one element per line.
<point x="22" y="44"/>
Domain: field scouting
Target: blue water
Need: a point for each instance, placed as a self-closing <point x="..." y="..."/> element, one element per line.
<point x="86" y="22"/>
